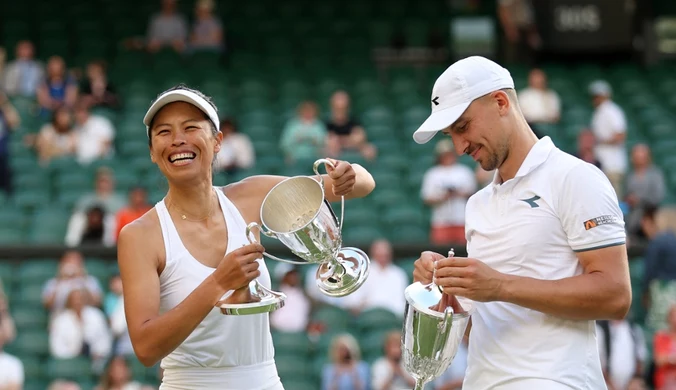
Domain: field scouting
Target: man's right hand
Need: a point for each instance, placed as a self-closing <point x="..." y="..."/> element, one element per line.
<point x="424" y="267"/>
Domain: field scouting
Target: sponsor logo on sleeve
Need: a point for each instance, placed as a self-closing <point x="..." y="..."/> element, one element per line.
<point x="598" y="221"/>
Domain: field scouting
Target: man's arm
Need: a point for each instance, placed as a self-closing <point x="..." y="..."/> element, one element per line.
<point x="603" y="291"/>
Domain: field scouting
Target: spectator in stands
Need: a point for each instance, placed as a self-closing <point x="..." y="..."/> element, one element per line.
<point x="665" y="354"/>
<point x="80" y="330"/>
<point x="137" y="206"/>
<point x="659" y="276"/>
<point x="446" y="188"/>
<point x="454" y="375"/>
<point x="388" y="372"/>
<point x="70" y="275"/>
<point x="23" y="75"/>
<point x="586" y="145"/>
<point x="113" y="308"/>
<point x="168" y="28"/>
<point x="294" y="316"/>
<point x="539" y="103"/>
<point x="623" y="351"/>
<point x="207" y="30"/>
<point x="58" y="88"/>
<point x="237" y="151"/>
<point x="346" y="371"/>
<point x="9" y="121"/>
<point x="384" y="288"/>
<point x="104" y="194"/>
<point x="95" y="135"/>
<point x="96" y="228"/>
<point x="609" y="126"/>
<point x="521" y="38"/>
<point x="56" y="138"/>
<point x="645" y="186"/>
<point x="345" y="132"/>
<point x="60" y="384"/>
<point x="11" y="368"/>
<point x="96" y="90"/>
<point x="118" y="377"/>
<point x="304" y="137"/>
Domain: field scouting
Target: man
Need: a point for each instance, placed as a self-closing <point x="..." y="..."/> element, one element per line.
<point x="546" y="242"/>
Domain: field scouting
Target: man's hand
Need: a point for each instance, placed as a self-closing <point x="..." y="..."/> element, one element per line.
<point x="424" y="267"/>
<point x="469" y="278"/>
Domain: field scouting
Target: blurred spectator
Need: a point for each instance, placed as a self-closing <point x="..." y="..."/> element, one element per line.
<point x="168" y="28"/>
<point x="304" y="137"/>
<point x="7" y="328"/>
<point x="70" y="275"/>
<point x="94" y="227"/>
<point x="96" y="90"/>
<point x="345" y="133"/>
<point x="539" y="103"/>
<point x="351" y="302"/>
<point x="137" y="206"/>
<point x="207" y="30"/>
<point x="446" y="188"/>
<point x="60" y="384"/>
<point x="58" y="88"/>
<point x="454" y="375"/>
<point x="659" y="277"/>
<point x="623" y="351"/>
<point x="586" y="144"/>
<point x="113" y="308"/>
<point x="665" y="354"/>
<point x="56" y="138"/>
<point x="9" y="121"/>
<point x="118" y="377"/>
<point x="521" y="39"/>
<point x="645" y="186"/>
<point x="346" y="371"/>
<point x="637" y="383"/>
<point x="294" y="316"/>
<point x="104" y="194"/>
<point x="385" y="285"/>
<point x="95" y="135"/>
<point x="610" y="129"/>
<point x="237" y="151"/>
<point x="388" y="372"/>
<point x="80" y="330"/>
<point x="11" y="368"/>
<point x="23" y="75"/>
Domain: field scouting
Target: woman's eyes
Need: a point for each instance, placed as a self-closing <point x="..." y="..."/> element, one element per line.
<point x="164" y="131"/>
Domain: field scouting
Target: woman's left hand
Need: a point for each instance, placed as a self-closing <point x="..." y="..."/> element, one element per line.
<point x="343" y="175"/>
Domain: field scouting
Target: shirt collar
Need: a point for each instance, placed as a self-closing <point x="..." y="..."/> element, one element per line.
<point x="536" y="156"/>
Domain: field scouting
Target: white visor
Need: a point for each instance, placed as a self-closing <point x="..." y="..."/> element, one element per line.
<point x="180" y="95"/>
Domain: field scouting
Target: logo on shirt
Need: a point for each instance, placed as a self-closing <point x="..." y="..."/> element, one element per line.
<point x="436" y="101"/>
<point x="602" y="220"/>
<point x="531" y="201"/>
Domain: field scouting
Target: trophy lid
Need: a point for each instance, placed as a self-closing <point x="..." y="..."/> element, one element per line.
<point x="424" y="297"/>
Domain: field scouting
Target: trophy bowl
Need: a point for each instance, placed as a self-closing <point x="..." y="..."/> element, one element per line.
<point x="296" y="213"/>
<point x="432" y="331"/>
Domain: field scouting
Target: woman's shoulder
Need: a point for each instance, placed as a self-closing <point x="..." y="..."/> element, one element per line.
<point x="141" y="228"/>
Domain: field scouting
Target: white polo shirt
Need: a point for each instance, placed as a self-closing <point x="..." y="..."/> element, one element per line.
<point x="531" y="226"/>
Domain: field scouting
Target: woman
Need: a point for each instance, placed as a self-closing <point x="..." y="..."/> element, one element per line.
<point x="305" y="136"/>
<point x="346" y="371"/>
<point x="172" y="259"/>
<point x="57" y="138"/>
<point x="118" y="377"/>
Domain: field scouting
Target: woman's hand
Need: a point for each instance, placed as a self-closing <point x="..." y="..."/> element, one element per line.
<point x="343" y="175"/>
<point x="239" y="267"/>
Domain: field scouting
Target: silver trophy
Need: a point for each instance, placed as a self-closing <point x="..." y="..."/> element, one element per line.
<point x="296" y="213"/>
<point x="434" y="326"/>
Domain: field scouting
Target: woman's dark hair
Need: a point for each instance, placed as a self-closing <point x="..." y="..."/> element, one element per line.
<point x="56" y="113"/>
<point x="183" y="87"/>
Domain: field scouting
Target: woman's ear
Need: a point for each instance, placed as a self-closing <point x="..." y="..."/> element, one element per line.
<point x="152" y="158"/>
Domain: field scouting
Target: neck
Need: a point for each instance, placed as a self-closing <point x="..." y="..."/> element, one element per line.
<point x="193" y="200"/>
<point x="521" y="143"/>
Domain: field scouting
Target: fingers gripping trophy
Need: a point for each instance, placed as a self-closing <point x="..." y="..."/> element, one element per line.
<point x="434" y="326"/>
<point x="296" y="213"/>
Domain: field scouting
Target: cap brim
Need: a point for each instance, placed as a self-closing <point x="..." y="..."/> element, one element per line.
<point x="438" y="121"/>
<point x="180" y="96"/>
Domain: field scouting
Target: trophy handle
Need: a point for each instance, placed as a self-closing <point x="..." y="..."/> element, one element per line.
<point x="443" y="327"/>
<point x="252" y="240"/>
<point x="315" y="168"/>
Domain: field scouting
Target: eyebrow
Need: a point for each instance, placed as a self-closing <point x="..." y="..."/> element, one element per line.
<point x="167" y="124"/>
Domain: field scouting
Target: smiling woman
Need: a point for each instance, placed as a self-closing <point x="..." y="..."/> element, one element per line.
<point x="179" y="260"/>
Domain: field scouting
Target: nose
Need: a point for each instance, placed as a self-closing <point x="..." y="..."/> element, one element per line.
<point x="460" y="144"/>
<point x="178" y="139"/>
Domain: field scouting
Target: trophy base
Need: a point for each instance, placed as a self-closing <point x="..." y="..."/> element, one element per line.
<point x="265" y="301"/>
<point x="345" y="275"/>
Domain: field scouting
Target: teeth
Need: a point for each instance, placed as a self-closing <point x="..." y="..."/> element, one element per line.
<point x="181" y="156"/>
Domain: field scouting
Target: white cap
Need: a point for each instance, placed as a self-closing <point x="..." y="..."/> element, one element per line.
<point x="456" y="88"/>
<point x="600" y="88"/>
<point x="180" y="95"/>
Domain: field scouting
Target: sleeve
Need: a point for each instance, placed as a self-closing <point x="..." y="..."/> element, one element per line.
<point x="328" y="373"/>
<point x="93" y="285"/>
<point x="245" y="153"/>
<point x="15" y="376"/>
<point x="49" y="288"/>
<point x="102" y="343"/>
<point x="61" y="338"/>
<point x="589" y="210"/>
<point x="618" y="120"/>
<point x="430" y="188"/>
<point x="379" y="374"/>
<point x="76" y="227"/>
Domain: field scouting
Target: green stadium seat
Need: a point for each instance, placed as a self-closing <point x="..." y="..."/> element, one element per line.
<point x="361" y="235"/>
<point x="372" y="343"/>
<point x="377" y="319"/>
<point x="291" y="343"/>
<point x="76" y="369"/>
<point x="32" y="342"/>
<point x="30" y="317"/>
<point x="333" y="318"/>
<point x="38" y="270"/>
<point x="408" y="234"/>
<point x="298" y="383"/>
<point x="98" y="268"/>
<point x="30" y="291"/>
